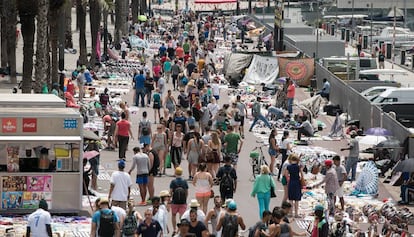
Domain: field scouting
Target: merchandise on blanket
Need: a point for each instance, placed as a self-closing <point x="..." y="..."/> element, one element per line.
<point x="341" y="226"/>
<point x="397" y="215"/>
<point x="312" y="154"/>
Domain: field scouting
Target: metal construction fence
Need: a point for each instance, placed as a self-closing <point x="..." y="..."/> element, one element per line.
<point x="358" y="107"/>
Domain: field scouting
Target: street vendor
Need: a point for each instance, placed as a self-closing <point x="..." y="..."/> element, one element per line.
<point x="406" y="188"/>
<point x="331" y="185"/>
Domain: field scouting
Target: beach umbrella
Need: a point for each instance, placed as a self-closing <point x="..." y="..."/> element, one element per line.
<point x="142" y="18"/>
<point x="90" y="154"/>
<point x="377" y="131"/>
<point x="367" y="182"/>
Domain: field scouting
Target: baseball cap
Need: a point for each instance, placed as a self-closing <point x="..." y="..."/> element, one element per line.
<point x="353" y="133"/>
<point x="328" y="162"/>
<point x="43" y="204"/>
<point x="178" y="171"/>
<point x="226" y="203"/>
<point x="183" y="222"/>
<point x="319" y="207"/>
<point x="121" y="164"/>
<point x="232" y="205"/>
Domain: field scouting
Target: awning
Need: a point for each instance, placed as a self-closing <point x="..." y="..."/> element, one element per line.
<point x="88" y="134"/>
<point x="214" y="1"/>
<point x="41" y="138"/>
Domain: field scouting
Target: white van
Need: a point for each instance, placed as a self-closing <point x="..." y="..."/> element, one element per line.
<point x="395" y="95"/>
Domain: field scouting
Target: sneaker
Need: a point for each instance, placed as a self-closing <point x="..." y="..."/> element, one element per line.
<point x="142" y="204"/>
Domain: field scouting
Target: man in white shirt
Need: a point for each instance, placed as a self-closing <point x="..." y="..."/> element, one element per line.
<point x="124" y="47"/>
<point x="38" y="223"/>
<point x="120" y="186"/>
<point x="201" y="216"/>
<point x="305" y="128"/>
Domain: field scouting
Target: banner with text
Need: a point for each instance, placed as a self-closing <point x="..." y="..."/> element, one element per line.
<point x="262" y="70"/>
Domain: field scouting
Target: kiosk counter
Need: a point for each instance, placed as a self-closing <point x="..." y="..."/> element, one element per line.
<point x="41" y="151"/>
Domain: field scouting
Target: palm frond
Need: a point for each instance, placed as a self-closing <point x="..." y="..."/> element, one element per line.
<point x="107" y="4"/>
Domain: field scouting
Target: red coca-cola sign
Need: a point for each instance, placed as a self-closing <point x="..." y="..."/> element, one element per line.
<point x="9" y="125"/>
<point x="29" y="125"/>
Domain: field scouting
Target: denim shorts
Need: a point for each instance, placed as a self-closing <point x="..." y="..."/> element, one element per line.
<point x="272" y="152"/>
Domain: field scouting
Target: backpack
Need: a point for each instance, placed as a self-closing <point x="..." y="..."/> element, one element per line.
<point x="256" y="109"/>
<point x="145" y="128"/>
<point x="226" y="184"/>
<point x="200" y="84"/>
<point x="183" y="100"/>
<point x="179" y="196"/>
<point x="237" y="116"/>
<point x="184" y="81"/>
<point x="106" y="224"/>
<point x="130" y="224"/>
<point x="156" y="162"/>
<point x="252" y="229"/>
<point x="231" y="226"/>
<point x="197" y="114"/>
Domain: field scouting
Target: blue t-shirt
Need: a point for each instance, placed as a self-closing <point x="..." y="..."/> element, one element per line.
<point x="191" y="121"/>
<point x="88" y="77"/>
<point x="162" y="50"/>
<point x="139" y="81"/>
<point x="97" y="216"/>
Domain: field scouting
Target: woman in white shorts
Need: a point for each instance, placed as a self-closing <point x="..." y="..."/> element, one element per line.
<point x="234" y="113"/>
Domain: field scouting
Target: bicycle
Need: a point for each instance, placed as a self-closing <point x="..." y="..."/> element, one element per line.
<point x="257" y="159"/>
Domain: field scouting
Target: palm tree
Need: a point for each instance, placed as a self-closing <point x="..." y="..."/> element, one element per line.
<point x="134" y="11"/>
<point x="3" y="34"/>
<point x="81" y="24"/>
<point x="11" y="19"/>
<point x="95" y="11"/>
<point x="42" y="49"/>
<point x="27" y="12"/>
<point x="56" y="9"/>
<point x="68" y="27"/>
<point x="121" y="20"/>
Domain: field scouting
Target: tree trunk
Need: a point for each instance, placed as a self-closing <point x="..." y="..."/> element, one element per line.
<point x="42" y="49"/>
<point x="105" y="36"/>
<point x="143" y="7"/>
<point x="134" y="11"/>
<point x="83" y="59"/>
<point x="53" y="30"/>
<point x="68" y="20"/>
<point x="11" y="16"/>
<point x="27" y="21"/>
<point x="95" y="21"/>
<point x="118" y="22"/>
<point x="3" y="34"/>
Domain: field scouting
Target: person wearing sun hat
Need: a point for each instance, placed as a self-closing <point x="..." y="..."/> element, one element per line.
<point x="39" y="222"/>
<point x="178" y="186"/>
<point x="331" y="185"/>
<point x="194" y="205"/>
<point x="320" y="225"/>
<point x="104" y="208"/>
<point x="120" y="187"/>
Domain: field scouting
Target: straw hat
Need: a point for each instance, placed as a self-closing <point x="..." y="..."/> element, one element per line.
<point x="165" y="193"/>
<point x="194" y="203"/>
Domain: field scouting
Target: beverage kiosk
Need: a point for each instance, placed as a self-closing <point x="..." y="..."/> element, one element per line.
<point x="41" y="154"/>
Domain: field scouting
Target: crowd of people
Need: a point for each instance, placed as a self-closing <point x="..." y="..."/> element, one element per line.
<point x="192" y="122"/>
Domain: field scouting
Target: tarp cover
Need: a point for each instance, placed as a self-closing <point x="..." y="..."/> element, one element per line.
<point x="234" y="63"/>
<point x="262" y="70"/>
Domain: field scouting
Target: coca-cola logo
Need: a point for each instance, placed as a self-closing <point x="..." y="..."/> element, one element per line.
<point x="29" y="125"/>
<point x="9" y="125"/>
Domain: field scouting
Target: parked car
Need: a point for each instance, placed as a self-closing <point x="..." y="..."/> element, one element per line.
<point x="373" y="92"/>
<point x="395" y="95"/>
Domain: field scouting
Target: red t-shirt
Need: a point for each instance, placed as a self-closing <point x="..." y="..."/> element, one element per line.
<point x="179" y="52"/>
<point x="291" y="91"/>
<point x="123" y="128"/>
<point x="156" y="70"/>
